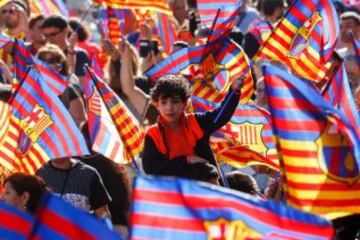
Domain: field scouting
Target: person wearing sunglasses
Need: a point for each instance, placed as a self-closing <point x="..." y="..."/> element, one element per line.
<point x="15" y="16"/>
<point x="56" y="31"/>
<point x="72" y="97"/>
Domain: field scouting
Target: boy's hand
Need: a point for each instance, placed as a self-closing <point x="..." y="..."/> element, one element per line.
<point x="196" y="159"/>
<point x="237" y="84"/>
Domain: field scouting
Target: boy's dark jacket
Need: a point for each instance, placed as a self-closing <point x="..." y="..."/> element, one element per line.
<point x="155" y="158"/>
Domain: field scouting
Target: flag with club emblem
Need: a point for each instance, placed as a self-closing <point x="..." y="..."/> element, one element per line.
<point x="193" y="210"/>
<point x="317" y="144"/>
<point x="40" y="128"/>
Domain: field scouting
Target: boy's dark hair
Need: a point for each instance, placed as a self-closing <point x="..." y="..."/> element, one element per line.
<point x="171" y="86"/>
<point x="199" y="171"/>
<point x="242" y="182"/>
<point x="55" y="21"/>
<point x="33" y="20"/>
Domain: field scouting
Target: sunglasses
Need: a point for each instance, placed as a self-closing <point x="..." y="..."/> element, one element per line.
<point x="10" y="11"/>
<point x="51" y="35"/>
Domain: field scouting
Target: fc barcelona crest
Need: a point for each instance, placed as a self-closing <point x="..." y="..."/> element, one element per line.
<point x="336" y="157"/>
<point x="95" y="103"/>
<point x="223" y="229"/>
<point x="206" y="70"/>
<point x="301" y="39"/>
<point x="32" y="127"/>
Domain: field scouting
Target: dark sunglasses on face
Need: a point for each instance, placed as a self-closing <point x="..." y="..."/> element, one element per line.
<point x="51" y="60"/>
<point x="10" y="11"/>
<point x="50" y="35"/>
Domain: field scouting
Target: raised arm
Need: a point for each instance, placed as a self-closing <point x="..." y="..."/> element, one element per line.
<point x="215" y="119"/>
<point x="136" y="96"/>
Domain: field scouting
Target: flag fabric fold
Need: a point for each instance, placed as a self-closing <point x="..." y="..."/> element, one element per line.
<point x="128" y="127"/>
<point x="193" y="210"/>
<point x="317" y="144"/>
<point x="40" y="128"/>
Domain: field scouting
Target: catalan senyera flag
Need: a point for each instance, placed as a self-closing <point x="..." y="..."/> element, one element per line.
<point x="304" y="39"/>
<point x="193" y="210"/>
<point x="14" y="223"/>
<point x="5" y="111"/>
<point x="157" y="6"/>
<point x="216" y="64"/>
<point x="40" y="128"/>
<point x="103" y="133"/>
<point x="317" y="145"/>
<point x="338" y="93"/>
<point x="75" y="223"/>
<point x="23" y="59"/>
<point x="128" y="127"/>
<point x="241" y="156"/>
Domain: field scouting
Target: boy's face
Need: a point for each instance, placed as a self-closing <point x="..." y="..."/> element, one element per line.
<point x="171" y="108"/>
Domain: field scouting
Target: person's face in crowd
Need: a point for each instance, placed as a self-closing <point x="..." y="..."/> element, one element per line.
<point x="11" y="197"/>
<point x="53" y="61"/>
<point x="357" y="98"/>
<point x="10" y="15"/>
<point x="347" y="25"/>
<point x="171" y="109"/>
<point x="55" y="35"/>
<point x="37" y="35"/>
<point x="179" y="9"/>
<point x="261" y="98"/>
<point x="77" y="111"/>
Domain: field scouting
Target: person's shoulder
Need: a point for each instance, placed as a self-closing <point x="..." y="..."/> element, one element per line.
<point x="153" y="129"/>
<point x="43" y="168"/>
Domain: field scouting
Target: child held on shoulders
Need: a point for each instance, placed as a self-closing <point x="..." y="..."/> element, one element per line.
<point x="178" y="144"/>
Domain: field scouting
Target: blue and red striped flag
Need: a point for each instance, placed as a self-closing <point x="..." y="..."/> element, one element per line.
<point x="224" y="21"/>
<point x="48" y="7"/>
<point x="40" y="128"/>
<point x="128" y="127"/>
<point x="103" y="133"/>
<point x="261" y="30"/>
<point x="356" y="45"/>
<point x="4" y="40"/>
<point x="59" y="219"/>
<point x="317" y="145"/>
<point x="208" y="9"/>
<point x="199" y="211"/>
<point x="14" y="223"/>
<point x="23" y="59"/>
<point x="216" y="64"/>
<point x="166" y="30"/>
<point x="338" y="93"/>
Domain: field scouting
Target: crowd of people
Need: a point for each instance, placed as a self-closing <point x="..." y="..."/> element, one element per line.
<point x="176" y="142"/>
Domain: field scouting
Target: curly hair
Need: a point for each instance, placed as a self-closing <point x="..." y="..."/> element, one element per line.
<point x="169" y="86"/>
